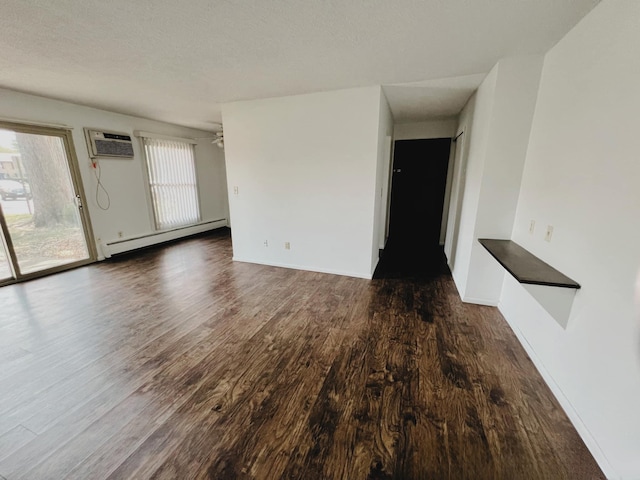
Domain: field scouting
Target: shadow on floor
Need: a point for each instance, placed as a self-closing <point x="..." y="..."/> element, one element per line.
<point x="402" y="260"/>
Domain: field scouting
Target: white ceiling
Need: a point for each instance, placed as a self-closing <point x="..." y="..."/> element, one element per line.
<point x="178" y="61"/>
<point x="438" y="98"/>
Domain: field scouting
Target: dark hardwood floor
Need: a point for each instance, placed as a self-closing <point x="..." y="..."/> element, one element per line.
<point x="177" y="363"/>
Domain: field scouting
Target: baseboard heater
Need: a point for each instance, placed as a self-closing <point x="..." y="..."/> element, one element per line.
<point x="122" y="245"/>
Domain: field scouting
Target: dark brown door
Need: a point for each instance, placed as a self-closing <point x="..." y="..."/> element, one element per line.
<point x="417" y="193"/>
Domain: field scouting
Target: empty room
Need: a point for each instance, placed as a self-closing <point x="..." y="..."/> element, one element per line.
<point x="320" y="240"/>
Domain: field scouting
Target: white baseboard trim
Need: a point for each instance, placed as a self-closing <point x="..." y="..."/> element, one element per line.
<point x="122" y="245"/>
<point x="480" y="301"/>
<point x="565" y="403"/>
<point x="455" y="282"/>
<point x="466" y="299"/>
<point x="303" y="267"/>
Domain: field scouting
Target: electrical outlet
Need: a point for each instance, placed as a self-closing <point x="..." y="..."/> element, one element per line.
<point x="532" y="227"/>
<point x="547" y="236"/>
<point x="287" y="246"/>
<point x="235" y="190"/>
<point x="120" y="234"/>
<point x="266" y="243"/>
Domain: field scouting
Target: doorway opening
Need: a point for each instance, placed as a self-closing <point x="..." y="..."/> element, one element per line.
<point x="43" y="225"/>
<point x="418" y="186"/>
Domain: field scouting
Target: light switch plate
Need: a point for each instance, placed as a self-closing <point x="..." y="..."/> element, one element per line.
<point x="549" y="234"/>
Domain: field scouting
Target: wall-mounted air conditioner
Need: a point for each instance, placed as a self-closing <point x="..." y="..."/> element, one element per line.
<point x="108" y="144"/>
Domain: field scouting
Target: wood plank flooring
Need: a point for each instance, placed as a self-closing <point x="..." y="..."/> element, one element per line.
<point x="177" y="363"/>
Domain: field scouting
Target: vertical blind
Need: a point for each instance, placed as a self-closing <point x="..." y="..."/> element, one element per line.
<point x="172" y="181"/>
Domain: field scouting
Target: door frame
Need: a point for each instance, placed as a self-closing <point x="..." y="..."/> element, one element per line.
<point x="456" y="200"/>
<point x="76" y="180"/>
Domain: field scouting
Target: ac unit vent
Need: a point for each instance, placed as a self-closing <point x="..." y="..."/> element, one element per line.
<point x="108" y="144"/>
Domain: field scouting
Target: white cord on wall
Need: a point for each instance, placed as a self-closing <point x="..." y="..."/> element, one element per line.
<point x="97" y="172"/>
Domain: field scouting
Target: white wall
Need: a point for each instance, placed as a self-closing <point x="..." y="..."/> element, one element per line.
<point x="124" y="179"/>
<point x="582" y="175"/>
<point x="514" y="102"/>
<point x="475" y="120"/>
<point x="306" y="168"/>
<point x="496" y="124"/>
<point x="441" y="128"/>
<point x="383" y="175"/>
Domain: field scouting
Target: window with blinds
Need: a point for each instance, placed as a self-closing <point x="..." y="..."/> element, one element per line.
<point x="172" y="181"/>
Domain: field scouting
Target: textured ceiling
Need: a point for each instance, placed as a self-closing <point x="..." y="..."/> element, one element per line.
<point x="177" y="61"/>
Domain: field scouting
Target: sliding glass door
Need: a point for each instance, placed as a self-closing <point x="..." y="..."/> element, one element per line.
<point x="44" y="226"/>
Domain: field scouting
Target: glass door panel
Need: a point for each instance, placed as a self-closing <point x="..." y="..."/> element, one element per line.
<point x="40" y="205"/>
